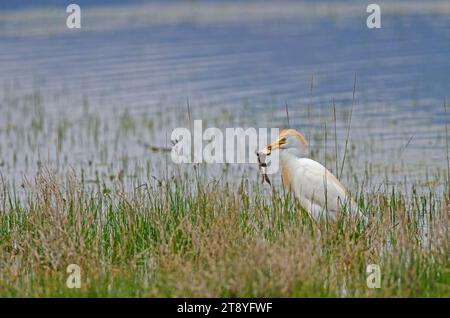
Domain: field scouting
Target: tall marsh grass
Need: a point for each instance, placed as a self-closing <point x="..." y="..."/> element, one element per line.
<point x="186" y="236"/>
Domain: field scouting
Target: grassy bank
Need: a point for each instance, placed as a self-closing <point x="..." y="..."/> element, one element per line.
<point x="189" y="237"/>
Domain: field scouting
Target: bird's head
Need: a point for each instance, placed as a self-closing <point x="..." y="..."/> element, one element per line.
<point x="288" y="140"/>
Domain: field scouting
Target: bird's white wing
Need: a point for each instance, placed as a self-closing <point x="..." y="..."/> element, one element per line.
<point x="314" y="185"/>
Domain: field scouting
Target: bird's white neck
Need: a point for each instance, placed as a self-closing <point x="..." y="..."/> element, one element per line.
<point x="288" y="158"/>
<point x="290" y="153"/>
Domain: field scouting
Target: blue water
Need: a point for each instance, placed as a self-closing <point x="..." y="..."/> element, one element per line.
<point x="402" y="71"/>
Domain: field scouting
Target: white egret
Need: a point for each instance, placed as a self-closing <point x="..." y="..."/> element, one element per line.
<point x="316" y="188"/>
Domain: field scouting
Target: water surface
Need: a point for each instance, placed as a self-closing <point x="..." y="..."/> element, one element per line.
<point x="87" y="99"/>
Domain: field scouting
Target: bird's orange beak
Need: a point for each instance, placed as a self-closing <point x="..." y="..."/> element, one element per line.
<point x="267" y="150"/>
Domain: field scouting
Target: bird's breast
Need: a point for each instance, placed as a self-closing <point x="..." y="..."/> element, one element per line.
<point x="285" y="176"/>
